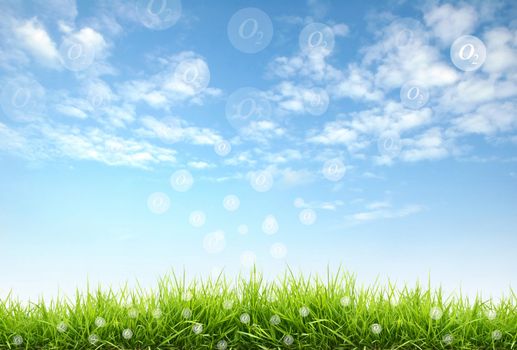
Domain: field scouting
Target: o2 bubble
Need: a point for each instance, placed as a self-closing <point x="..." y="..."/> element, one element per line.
<point x="491" y="314"/>
<point x="270" y="225"/>
<point x="231" y="202"/>
<point x="62" y="327"/>
<point x="436" y="313"/>
<point x="76" y="55"/>
<point x="275" y="320"/>
<point x="228" y="304"/>
<point x="448" y="339"/>
<point x="182" y="180"/>
<point x="246" y="106"/>
<point x="316" y="101"/>
<point x="406" y="32"/>
<point x="389" y="144"/>
<point x="158" y="202"/>
<point x="288" y="340"/>
<point x="304" y="311"/>
<point x="157" y="313"/>
<point x="299" y="202"/>
<point x="278" y="250"/>
<point x="261" y="181"/>
<point x="497" y="335"/>
<point x="334" y="169"/>
<point x="17" y="340"/>
<point x="222" y="148"/>
<point x="214" y="242"/>
<point x="197" y="218"/>
<point x="376" y="328"/>
<point x="22" y="99"/>
<point x="132" y="313"/>
<point x="245" y="318"/>
<point x="186" y="313"/>
<point x="197" y="328"/>
<point x="468" y="53"/>
<point x="100" y="322"/>
<point x="93" y="339"/>
<point x="250" y="30"/>
<point x="317" y="38"/>
<point x="222" y="345"/>
<point x="414" y="95"/>
<point x="159" y="14"/>
<point x="248" y="259"/>
<point x="345" y="301"/>
<point x="193" y="74"/>
<point x="127" y="334"/>
<point x="307" y="216"/>
<point x="243" y="229"/>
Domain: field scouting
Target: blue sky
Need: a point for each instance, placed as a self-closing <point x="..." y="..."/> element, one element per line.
<point x="297" y="111"/>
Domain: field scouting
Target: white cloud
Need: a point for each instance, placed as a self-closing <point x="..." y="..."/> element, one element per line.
<point x="32" y="36"/>
<point x="177" y="130"/>
<point x="488" y="119"/>
<point x="449" y="22"/>
<point x="501" y="46"/>
<point x="200" y="165"/>
<point x="384" y="213"/>
<point x="426" y="146"/>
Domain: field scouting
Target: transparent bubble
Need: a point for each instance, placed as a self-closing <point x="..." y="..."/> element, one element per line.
<point x="316" y="101"/>
<point x="246" y="106"/>
<point x="231" y="202"/>
<point x="182" y="180"/>
<point x="271" y="298"/>
<point x="288" y="340"/>
<point x="345" y="301"/>
<point x="62" y="327"/>
<point x="245" y="318"/>
<point x="132" y="313"/>
<point x="317" y="38"/>
<point x="250" y="30"/>
<point x="22" y="99"/>
<point x="197" y="218"/>
<point x="75" y="55"/>
<point x="275" y="320"/>
<point x="414" y="95"/>
<point x="93" y="339"/>
<point x="157" y="313"/>
<point x="261" y="181"/>
<point x="307" y="216"/>
<point x="406" y="32"/>
<point x="214" y="242"/>
<point x="334" y="169"/>
<point x="197" y="328"/>
<point x="248" y="259"/>
<point x="436" y="313"/>
<point x="299" y="202"/>
<point x="270" y="225"/>
<point x="491" y="314"/>
<point x="304" y="311"/>
<point x="193" y="74"/>
<point x="186" y="296"/>
<point x="376" y="328"/>
<point x="159" y="14"/>
<point x="228" y="304"/>
<point x="497" y="335"/>
<point x="100" y="322"/>
<point x="186" y="313"/>
<point x="243" y="229"/>
<point x="127" y="334"/>
<point x="468" y="53"/>
<point x="17" y="340"/>
<point x="278" y="250"/>
<point x="222" y="345"/>
<point x="222" y="148"/>
<point x="158" y="203"/>
<point x="389" y="144"/>
<point x="448" y="339"/>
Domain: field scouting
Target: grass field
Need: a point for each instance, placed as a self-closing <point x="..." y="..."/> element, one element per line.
<point x="296" y="312"/>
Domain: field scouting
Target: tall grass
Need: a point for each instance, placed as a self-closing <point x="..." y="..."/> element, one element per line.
<point x="295" y="312"/>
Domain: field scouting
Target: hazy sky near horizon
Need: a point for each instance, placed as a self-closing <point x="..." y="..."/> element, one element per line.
<point x="138" y="137"/>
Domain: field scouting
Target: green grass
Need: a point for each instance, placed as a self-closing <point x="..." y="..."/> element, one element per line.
<point x="311" y="312"/>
